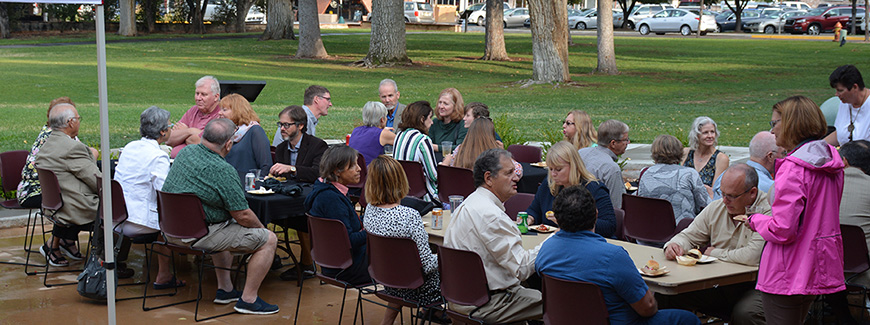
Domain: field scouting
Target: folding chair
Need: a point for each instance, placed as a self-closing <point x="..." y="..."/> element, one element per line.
<point x="52" y="202"/>
<point x="526" y="154"/>
<point x="11" y="164"/>
<point x="519" y="203"/>
<point x="463" y="282"/>
<point x="454" y="181"/>
<point x="416" y="178"/>
<point x="395" y="263"/>
<point x="565" y="300"/>
<point x="648" y="219"/>
<point x="855" y="260"/>
<point x="620" y="224"/>
<point x="181" y="216"/>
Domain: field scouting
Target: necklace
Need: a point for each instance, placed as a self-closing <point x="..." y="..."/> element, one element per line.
<point x="852" y="121"/>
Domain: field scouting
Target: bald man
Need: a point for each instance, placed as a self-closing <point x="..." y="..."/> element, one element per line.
<point x="763" y="153"/>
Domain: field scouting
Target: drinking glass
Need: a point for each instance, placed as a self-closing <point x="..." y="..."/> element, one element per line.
<point x="446" y="148"/>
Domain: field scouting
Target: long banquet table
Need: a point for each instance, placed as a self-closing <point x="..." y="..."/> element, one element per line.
<point x="680" y="279"/>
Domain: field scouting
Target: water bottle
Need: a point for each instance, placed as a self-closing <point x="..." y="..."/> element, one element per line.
<point x="523" y="222"/>
<point x="250" y="182"/>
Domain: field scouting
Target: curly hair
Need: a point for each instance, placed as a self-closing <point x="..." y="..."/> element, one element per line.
<point x="574" y="209"/>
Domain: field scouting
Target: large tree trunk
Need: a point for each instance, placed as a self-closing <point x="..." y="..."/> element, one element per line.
<point x="127" y="18"/>
<point x="242" y="7"/>
<point x="150" y="15"/>
<point x="4" y="21"/>
<point x="852" y="17"/>
<point x="197" y="11"/>
<point x="494" y="46"/>
<point x="549" y="40"/>
<point x="606" y="54"/>
<point x="279" y="20"/>
<point x="387" y="45"/>
<point x="866" y="22"/>
<point x="310" y="43"/>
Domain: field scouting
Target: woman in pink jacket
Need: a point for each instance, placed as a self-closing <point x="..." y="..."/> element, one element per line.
<point x="803" y="256"/>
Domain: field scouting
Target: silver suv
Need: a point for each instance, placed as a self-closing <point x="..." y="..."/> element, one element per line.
<point x="644" y="11"/>
<point x="419" y="12"/>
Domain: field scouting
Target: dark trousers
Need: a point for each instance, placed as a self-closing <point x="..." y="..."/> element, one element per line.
<point x="33" y="202"/>
<point x="71" y="232"/>
<point x="787" y="310"/>
<point x="739" y="303"/>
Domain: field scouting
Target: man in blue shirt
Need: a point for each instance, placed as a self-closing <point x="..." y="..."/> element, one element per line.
<point x="593" y="260"/>
<point x="763" y="153"/>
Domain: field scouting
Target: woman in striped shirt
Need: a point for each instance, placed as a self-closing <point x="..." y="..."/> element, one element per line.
<point x="414" y="144"/>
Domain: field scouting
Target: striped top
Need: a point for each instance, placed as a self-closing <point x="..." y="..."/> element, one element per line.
<point x="413" y="145"/>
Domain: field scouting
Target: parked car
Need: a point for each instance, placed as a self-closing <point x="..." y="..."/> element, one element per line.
<point x="728" y="20"/>
<point x="255" y="16"/>
<point x="859" y="24"/>
<point x="820" y="20"/>
<point x="589" y="19"/>
<point x="419" y="12"/>
<point x="571" y="12"/>
<point x="676" y="20"/>
<point x="800" y="5"/>
<point x="772" y="23"/>
<point x="470" y="9"/>
<point x="479" y="16"/>
<point x="644" y="11"/>
<point x="690" y="4"/>
<point x="515" y="17"/>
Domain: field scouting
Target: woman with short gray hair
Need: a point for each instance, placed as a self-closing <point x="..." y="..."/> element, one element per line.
<point x="141" y="171"/>
<point x="702" y="154"/>
<point x="370" y="138"/>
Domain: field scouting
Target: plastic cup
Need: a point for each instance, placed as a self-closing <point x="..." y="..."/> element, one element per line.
<point x="455" y="201"/>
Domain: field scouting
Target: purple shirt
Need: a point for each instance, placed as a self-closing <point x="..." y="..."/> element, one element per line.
<point x="367" y="140"/>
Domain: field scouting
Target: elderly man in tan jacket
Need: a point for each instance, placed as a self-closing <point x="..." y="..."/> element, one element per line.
<point x="76" y="170"/>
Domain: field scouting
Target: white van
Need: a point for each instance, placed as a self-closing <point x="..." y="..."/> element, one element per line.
<point x="799" y="5"/>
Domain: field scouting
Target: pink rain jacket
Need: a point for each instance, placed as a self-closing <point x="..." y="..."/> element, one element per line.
<point x="804" y="251"/>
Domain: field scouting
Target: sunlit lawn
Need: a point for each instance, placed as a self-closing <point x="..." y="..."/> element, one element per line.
<point x="663" y="85"/>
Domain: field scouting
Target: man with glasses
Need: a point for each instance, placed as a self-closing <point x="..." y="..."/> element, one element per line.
<point x="763" y="153"/>
<point x="728" y="240"/>
<point x="189" y="128"/>
<point x="601" y="160"/>
<point x="316" y="103"/>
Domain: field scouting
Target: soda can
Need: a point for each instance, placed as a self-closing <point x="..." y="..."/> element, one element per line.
<point x="437" y="219"/>
<point x="250" y="182"/>
<point x="347" y="139"/>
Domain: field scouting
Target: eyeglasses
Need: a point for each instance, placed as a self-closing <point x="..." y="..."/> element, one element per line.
<point x="79" y="118"/>
<point x="568" y="123"/>
<point x="734" y="197"/>
<point x="625" y="140"/>
<point x="328" y="99"/>
<point x="773" y="123"/>
<point x="282" y="125"/>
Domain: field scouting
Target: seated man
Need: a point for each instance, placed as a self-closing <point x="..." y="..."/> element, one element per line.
<point x="591" y="259"/>
<point x="76" y="171"/>
<point x="189" y="127"/>
<point x="601" y="160"/>
<point x="480" y="225"/>
<point x="200" y="169"/>
<point x="855" y="204"/>
<point x="763" y="153"/>
<point x="728" y="240"/>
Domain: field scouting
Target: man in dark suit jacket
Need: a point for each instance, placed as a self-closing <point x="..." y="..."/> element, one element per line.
<point x="299" y="154"/>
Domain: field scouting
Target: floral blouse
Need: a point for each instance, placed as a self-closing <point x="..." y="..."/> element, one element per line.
<point x="29" y="185"/>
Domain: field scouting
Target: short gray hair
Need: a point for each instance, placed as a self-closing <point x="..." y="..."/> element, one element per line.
<point x="390" y="82"/>
<point x="215" y="85"/>
<point x="373" y="112"/>
<point x="59" y="115"/>
<point x="153" y="120"/>
<point x="761" y="144"/>
<point x="695" y="131"/>
<point x="611" y="130"/>
<point x="219" y="131"/>
<point x="750" y="179"/>
<point x="489" y="161"/>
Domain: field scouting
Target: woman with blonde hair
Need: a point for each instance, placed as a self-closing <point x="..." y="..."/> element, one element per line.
<point x="702" y="154"/>
<point x="579" y="131"/>
<point x="385" y="187"/>
<point x="250" y="145"/>
<point x="448" y="125"/>
<point x="567" y="169"/>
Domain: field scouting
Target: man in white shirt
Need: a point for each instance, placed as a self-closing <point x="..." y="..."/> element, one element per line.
<point x="853" y="117"/>
<point x="480" y="225"/>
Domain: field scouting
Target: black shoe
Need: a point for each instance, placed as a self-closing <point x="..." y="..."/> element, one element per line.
<point x="291" y="274"/>
<point x="125" y="272"/>
<point x="276" y="263"/>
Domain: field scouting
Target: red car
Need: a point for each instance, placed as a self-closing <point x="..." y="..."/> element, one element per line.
<point x="820" y="20"/>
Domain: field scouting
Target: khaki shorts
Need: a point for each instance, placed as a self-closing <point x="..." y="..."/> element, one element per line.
<point x="231" y="237"/>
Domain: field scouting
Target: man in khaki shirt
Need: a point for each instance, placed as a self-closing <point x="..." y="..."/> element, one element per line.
<point x="729" y="241"/>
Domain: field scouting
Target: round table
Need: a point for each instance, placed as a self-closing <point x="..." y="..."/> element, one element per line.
<point x="532" y="178"/>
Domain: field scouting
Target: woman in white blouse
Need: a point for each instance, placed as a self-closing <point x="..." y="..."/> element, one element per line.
<point x="141" y="171"/>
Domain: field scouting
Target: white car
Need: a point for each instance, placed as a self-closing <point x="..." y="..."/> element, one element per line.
<point x="589" y="19"/>
<point x="255" y="16"/>
<point x="644" y="11"/>
<point x="770" y="24"/>
<point x="676" y="20"/>
<point x="515" y="17"/>
<point x="479" y="17"/>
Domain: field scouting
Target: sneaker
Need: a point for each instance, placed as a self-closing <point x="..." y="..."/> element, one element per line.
<point x="222" y="297"/>
<point x="259" y="307"/>
<point x="291" y="274"/>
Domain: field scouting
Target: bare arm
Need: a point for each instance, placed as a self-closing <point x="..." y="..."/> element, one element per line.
<point x="179" y="134"/>
<point x="646" y="306"/>
<point x="387" y="136"/>
<point x="246" y="218"/>
<point x="832" y="139"/>
<point x="722" y="163"/>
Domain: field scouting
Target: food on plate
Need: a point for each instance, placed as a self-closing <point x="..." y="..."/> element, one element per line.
<point x="741" y="217"/>
<point x="694" y="253"/>
<point x="651" y="266"/>
<point x="543" y="228"/>
<point x="278" y="178"/>
<point x="686" y="260"/>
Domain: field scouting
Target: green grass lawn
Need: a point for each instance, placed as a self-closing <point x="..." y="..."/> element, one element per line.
<point x="664" y="82"/>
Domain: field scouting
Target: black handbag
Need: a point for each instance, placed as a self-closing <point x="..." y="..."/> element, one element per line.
<point x="92" y="280"/>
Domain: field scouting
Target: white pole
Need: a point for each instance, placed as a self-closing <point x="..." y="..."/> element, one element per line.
<point x="105" y="149"/>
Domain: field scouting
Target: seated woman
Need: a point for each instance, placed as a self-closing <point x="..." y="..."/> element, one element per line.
<point x="448" y="125"/>
<point x="414" y="144"/>
<point x="702" y="154"/>
<point x="479" y="139"/>
<point x="669" y="181"/>
<point x="250" y="145"/>
<point x="476" y="110"/>
<point x="567" y="169"/>
<point x="579" y="131"/>
<point x="141" y="170"/>
<point x="386" y="185"/>
<point x="338" y="168"/>
<point x="370" y="138"/>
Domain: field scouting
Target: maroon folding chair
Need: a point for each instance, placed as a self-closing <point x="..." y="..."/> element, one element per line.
<point x="11" y="164"/>
<point x="565" y="300"/>
<point x="416" y="178"/>
<point x="52" y="201"/>
<point x="181" y="216"/>
<point x="620" y="224"/>
<point x="454" y="181"/>
<point x="330" y="247"/>
<point x="519" y="203"/>
<point x="855" y="260"/>
<point x="463" y="282"/>
<point x="395" y="263"/>
<point x="648" y="219"/>
<point x="526" y="154"/>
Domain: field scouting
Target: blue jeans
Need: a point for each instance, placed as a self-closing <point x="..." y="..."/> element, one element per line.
<point x="672" y="317"/>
